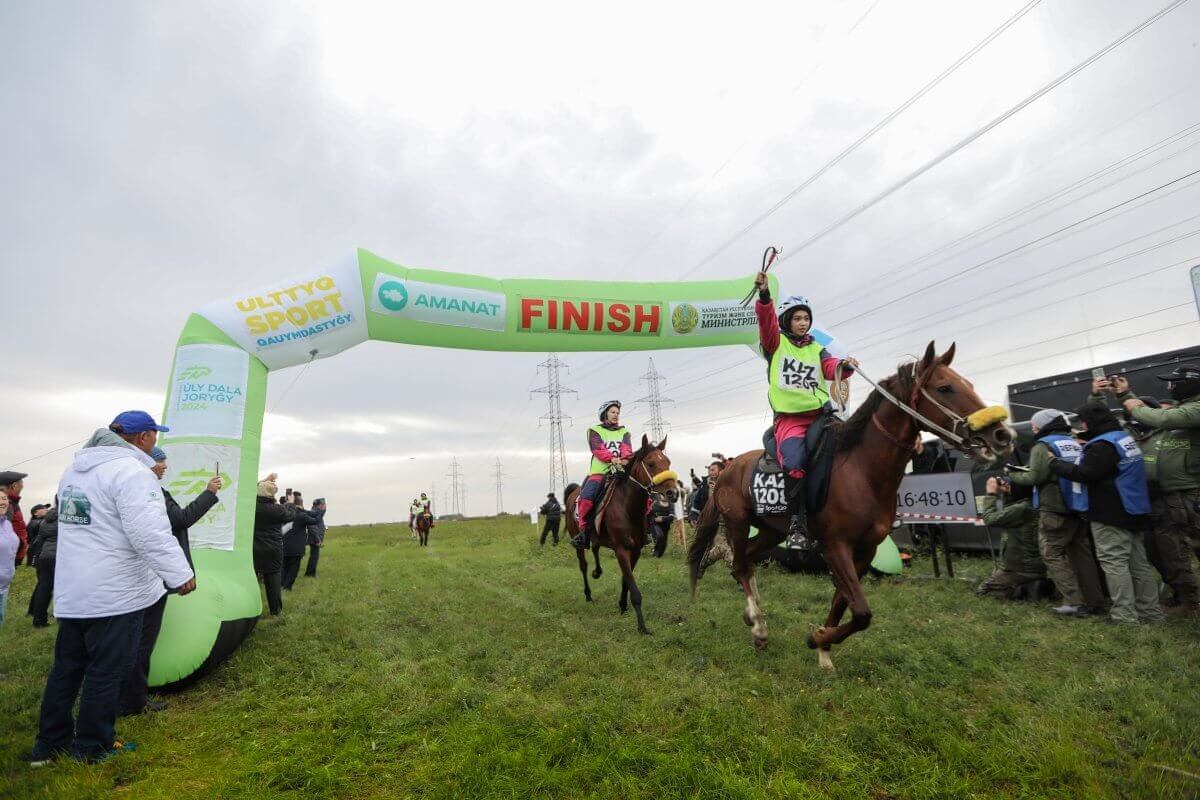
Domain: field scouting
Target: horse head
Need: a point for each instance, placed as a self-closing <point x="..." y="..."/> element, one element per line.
<point x="949" y="400"/>
<point x="650" y="462"/>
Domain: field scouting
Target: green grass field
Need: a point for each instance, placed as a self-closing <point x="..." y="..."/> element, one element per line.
<point x="474" y="668"/>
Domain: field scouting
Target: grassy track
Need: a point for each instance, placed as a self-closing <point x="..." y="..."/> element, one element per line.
<point x="473" y="668"/>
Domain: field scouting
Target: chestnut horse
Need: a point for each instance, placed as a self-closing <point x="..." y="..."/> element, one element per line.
<point x="623" y="528"/>
<point x="871" y="451"/>
<point x="424" y="522"/>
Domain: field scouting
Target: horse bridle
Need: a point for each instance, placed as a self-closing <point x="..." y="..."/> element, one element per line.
<point x="951" y="437"/>
<point x="653" y="480"/>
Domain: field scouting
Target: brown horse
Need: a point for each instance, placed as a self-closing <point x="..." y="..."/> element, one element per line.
<point x="424" y="523"/>
<point x="647" y="476"/>
<point x="872" y="449"/>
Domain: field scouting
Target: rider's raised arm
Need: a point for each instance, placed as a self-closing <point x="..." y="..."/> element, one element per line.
<point x="768" y="325"/>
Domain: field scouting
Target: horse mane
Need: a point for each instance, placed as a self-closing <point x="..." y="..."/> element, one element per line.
<point x="850" y="433"/>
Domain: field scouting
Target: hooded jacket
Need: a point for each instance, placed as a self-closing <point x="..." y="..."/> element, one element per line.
<point x="316" y="530"/>
<point x="115" y="548"/>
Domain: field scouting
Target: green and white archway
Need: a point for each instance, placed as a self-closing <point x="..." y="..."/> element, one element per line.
<point x="217" y="391"/>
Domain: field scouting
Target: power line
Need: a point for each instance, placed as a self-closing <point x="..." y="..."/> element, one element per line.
<point x="941" y="282"/>
<point x="883" y="123"/>
<point x="554" y="391"/>
<point x="992" y="300"/>
<point x="912" y="176"/>
<point x="900" y="273"/>
<point x="655" y="400"/>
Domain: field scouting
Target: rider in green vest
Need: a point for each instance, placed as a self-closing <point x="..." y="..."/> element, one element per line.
<point x="799" y="371"/>
<point x="611" y="446"/>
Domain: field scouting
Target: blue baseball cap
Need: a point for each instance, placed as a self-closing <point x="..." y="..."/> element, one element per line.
<point x="136" y="422"/>
<point x="158" y="454"/>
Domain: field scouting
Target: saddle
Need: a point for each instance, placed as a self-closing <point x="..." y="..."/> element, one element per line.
<point x="766" y="479"/>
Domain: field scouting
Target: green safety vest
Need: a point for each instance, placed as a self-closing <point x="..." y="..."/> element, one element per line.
<point x="612" y="440"/>
<point x="797" y="380"/>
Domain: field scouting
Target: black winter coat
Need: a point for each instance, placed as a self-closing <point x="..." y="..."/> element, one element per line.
<point x="551" y="509"/>
<point x="48" y="535"/>
<point x="269" y="517"/>
<point x="1098" y="469"/>
<point x="34" y="530"/>
<point x="295" y="540"/>
<point x="316" y="530"/>
<point x="184" y="518"/>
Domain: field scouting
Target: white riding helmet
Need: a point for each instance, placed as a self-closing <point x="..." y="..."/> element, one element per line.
<point x="791" y="303"/>
<point x="607" y="405"/>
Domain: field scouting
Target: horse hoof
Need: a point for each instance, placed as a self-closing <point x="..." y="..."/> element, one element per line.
<point x="596" y="574"/>
<point x="760" y="643"/>
<point x="588" y="598"/>
<point x="824" y="660"/>
<point x="645" y="631"/>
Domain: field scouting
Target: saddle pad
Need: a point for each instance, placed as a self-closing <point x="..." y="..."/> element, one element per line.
<point x="766" y="491"/>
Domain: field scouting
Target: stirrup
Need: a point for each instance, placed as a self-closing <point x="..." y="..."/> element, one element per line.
<point x="798" y="537"/>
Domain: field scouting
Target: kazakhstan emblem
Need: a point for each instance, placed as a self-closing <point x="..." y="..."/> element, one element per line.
<point x="685" y="318"/>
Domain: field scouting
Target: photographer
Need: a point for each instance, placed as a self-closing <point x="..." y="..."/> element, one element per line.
<point x="1118" y="511"/>
<point x="316" y="537"/>
<point x="1012" y="511"/>
<point x="1062" y="535"/>
<point x="1172" y="457"/>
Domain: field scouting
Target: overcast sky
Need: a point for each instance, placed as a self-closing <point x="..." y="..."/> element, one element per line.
<point x="157" y="156"/>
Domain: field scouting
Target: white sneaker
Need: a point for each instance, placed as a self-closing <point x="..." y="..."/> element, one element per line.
<point x="1066" y="609"/>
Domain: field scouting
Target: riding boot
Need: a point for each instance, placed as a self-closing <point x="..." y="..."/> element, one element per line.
<point x="583" y="508"/>
<point x="797" y="538"/>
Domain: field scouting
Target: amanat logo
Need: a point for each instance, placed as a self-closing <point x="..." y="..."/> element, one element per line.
<point x="545" y="314"/>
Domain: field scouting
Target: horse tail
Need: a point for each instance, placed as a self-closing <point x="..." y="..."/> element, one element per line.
<point x="706" y="531"/>
<point x="567" y="492"/>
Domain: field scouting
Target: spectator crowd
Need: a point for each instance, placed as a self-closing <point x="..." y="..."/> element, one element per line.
<point x="1106" y="503"/>
<point x="108" y="551"/>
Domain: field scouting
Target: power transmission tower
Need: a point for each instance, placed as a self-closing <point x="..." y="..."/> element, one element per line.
<point x="554" y="390"/>
<point x="658" y="426"/>
<point x="456" y="487"/>
<point x="499" y="489"/>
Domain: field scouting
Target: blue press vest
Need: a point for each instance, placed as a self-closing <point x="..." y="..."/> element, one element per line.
<point x="1131" y="471"/>
<point x="1074" y="494"/>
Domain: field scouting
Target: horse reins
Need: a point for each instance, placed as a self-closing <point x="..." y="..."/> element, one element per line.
<point x="950" y="436"/>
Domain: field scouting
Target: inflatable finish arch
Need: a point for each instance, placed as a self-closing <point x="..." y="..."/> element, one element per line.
<point x="217" y="391"/>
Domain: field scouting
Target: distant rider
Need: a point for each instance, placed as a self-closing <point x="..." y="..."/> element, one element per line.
<point x="611" y="447"/>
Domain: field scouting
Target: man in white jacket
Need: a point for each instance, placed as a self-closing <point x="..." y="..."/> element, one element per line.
<point x="115" y="554"/>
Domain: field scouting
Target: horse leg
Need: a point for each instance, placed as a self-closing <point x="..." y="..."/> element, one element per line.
<point x="743" y="570"/>
<point x="836" y="610"/>
<point x="845" y="573"/>
<point x="597" y="572"/>
<point x="583" y="565"/>
<point x="626" y="562"/>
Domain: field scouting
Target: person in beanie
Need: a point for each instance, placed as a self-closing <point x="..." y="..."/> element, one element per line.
<point x="552" y="510"/>
<point x="1063" y="535"/>
<point x="1173" y="456"/>
<point x="135" y="697"/>
<point x="11" y="483"/>
<point x="1118" y="510"/>
<point x="115" y="556"/>
<point x="269" y="518"/>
